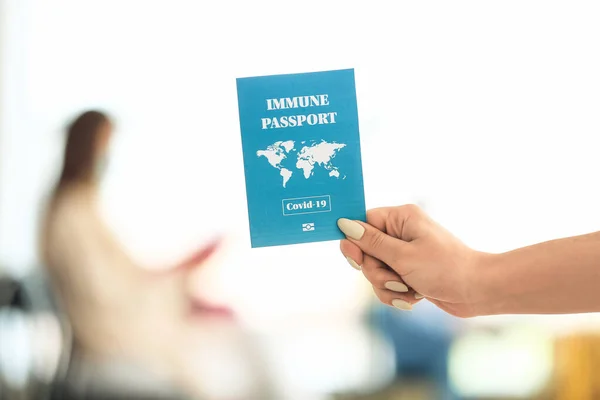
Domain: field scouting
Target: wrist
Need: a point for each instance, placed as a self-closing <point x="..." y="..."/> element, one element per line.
<point x="486" y="291"/>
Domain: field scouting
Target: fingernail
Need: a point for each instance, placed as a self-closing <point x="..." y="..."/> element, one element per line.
<point x="401" y="305"/>
<point x="353" y="263"/>
<point x="352" y="229"/>
<point x="396" y="286"/>
<point x="418" y="296"/>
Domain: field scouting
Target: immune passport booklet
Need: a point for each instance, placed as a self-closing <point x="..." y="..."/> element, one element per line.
<point x="302" y="161"/>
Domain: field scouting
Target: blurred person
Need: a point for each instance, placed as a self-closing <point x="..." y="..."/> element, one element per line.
<point x="407" y="256"/>
<point x="136" y="332"/>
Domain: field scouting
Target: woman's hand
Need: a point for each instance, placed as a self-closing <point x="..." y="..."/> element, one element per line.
<point x="407" y="256"/>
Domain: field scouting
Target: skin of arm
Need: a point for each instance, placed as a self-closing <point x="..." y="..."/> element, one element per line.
<point x="555" y="277"/>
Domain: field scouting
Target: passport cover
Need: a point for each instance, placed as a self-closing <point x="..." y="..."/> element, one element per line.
<point x="302" y="158"/>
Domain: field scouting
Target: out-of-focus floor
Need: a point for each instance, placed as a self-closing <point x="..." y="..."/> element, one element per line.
<point x="564" y="366"/>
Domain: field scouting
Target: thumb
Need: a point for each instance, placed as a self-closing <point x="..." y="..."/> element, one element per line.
<point x="372" y="241"/>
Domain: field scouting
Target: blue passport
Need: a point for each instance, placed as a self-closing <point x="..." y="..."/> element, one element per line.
<point x="302" y="159"/>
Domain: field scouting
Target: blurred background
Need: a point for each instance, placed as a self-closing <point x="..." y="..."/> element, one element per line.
<point x="484" y="113"/>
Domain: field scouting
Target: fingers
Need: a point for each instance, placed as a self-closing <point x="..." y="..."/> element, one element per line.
<point x="353" y="254"/>
<point x="374" y="242"/>
<point x="407" y="222"/>
<point x="378" y="217"/>
<point x="387" y="284"/>
<point x="402" y="301"/>
<point x="381" y="276"/>
<point x="376" y="272"/>
<point x="386" y="236"/>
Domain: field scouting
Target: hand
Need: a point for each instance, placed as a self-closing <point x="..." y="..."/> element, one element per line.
<point x="407" y="256"/>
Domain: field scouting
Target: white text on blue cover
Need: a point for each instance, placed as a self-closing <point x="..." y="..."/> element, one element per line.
<point x="290" y="121"/>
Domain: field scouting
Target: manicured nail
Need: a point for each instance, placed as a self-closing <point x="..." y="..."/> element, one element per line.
<point x="401" y="305"/>
<point x="353" y="263"/>
<point x="352" y="229"/>
<point x="418" y="296"/>
<point x="396" y="286"/>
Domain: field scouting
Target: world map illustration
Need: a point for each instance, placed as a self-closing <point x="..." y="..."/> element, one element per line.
<point x="312" y="154"/>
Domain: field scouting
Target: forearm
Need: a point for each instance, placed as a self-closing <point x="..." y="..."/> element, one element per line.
<point x="560" y="276"/>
